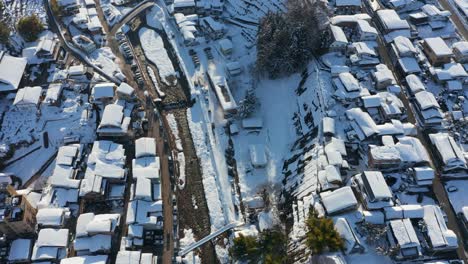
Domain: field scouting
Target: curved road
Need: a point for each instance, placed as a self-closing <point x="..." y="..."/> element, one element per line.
<point x="54" y="25"/>
<point x="131" y="15"/>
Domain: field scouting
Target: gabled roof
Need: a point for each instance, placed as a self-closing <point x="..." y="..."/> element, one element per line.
<point x="11" y="71"/>
<point x="28" y="96"/>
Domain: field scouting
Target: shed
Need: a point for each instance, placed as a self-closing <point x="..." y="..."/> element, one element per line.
<point x="258" y="156"/>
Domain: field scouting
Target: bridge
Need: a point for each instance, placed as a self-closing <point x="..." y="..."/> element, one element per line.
<point x="131" y="15"/>
<point x="202" y="241"/>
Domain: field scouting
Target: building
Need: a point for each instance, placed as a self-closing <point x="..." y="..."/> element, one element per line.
<point x="115" y="121"/>
<point x="28" y="98"/>
<point x="460" y="51"/>
<point x="11" y="71"/>
<point x="348" y="6"/>
<point x="45" y="49"/>
<point x="20" y="251"/>
<point x="449" y="154"/>
<point x="391" y="25"/>
<point x="84" y="43"/>
<point x="401" y="233"/>
<point x="258" y="156"/>
<point x="223" y="93"/>
<point x="94" y="233"/>
<point x="213" y="28"/>
<point x="339" y="200"/>
<point x="17" y="216"/>
<point x="102" y="93"/>
<point x="414" y="84"/>
<point x="185" y="7"/>
<point x="53" y="94"/>
<point x="51" y="245"/>
<point x="437" y="51"/>
<point x="125" y="92"/>
<point x="428" y="109"/>
<point x="374" y="191"/>
<point x="439" y="238"/>
<point x="361" y="54"/>
<point x="366" y="32"/>
<point x="347" y="87"/>
<point x="338" y="40"/>
<point x="52" y="217"/>
<point x="362" y="124"/>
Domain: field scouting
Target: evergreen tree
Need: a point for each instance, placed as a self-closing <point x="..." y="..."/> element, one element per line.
<point x="30" y="27"/>
<point x="4" y="33"/>
<point x="321" y="235"/>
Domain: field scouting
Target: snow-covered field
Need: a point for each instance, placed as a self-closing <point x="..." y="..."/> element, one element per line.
<point x="153" y="47"/>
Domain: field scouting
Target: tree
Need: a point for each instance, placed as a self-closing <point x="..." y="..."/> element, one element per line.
<point x="56" y="9"/>
<point x="29" y="27"/>
<point x="248" y="105"/>
<point x="287" y="41"/>
<point x="269" y="247"/>
<point x="321" y="235"/>
<point x="4" y="33"/>
<point x="246" y="248"/>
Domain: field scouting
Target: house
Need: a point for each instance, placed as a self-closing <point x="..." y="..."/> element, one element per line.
<point x="366" y="32"/>
<point x="450" y="155"/>
<point x="348" y="6"/>
<point x="347" y="87"/>
<point x="213" y="28"/>
<point x="451" y="72"/>
<point x="20" y="251"/>
<point x="349" y="20"/>
<point x="94" y="233"/>
<point x="391" y="107"/>
<point x="53" y="94"/>
<point x="328" y="126"/>
<point x="223" y="93"/>
<point x="460" y="51"/>
<point x="374" y="191"/>
<point x="352" y="243"/>
<point x="115" y="121"/>
<point x="45" y="49"/>
<point x="423" y="176"/>
<point x="428" y="109"/>
<point x="401" y="234"/>
<point x="407" y="153"/>
<point x="338" y="41"/>
<point x="105" y="168"/>
<point x="125" y="92"/>
<point x="383" y="77"/>
<point x="363" y="55"/>
<point x="439" y="238"/>
<point x="363" y="125"/>
<point x="339" y="200"/>
<point x="98" y="259"/>
<point x="84" y="43"/>
<point x="225" y="46"/>
<point x="405" y="211"/>
<point x="52" y="217"/>
<point x="69" y="6"/>
<point x="17" y="215"/>
<point x="414" y="84"/>
<point x="258" y="156"/>
<point x="51" y="245"/>
<point x="77" y="71"/>
<point x="390" y="24"/>
<point x="135" y="257"/>
<point x="11" y="71"/>
<point x="28" y="98"/>
<point x="186" y="7"/>
<point x="437" y="51"/>
<point x="102" y="93"/>
<point x="437" y="18"/>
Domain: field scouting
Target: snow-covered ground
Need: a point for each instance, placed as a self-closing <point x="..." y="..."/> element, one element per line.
<point x="187" y="240"/>
<point x="153" y="47"/>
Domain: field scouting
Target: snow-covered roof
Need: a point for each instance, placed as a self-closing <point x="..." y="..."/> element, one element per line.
<point x="67" y="2"/>
<point x="404" y="233"/>
<point x="98" y="259"/>
<point x="415" y="84"/>
<point x="143" y="189"/>
<point x="125" y="88"/>
<point x="144" y="212"/>
<point x="225" y="44"/>
<point x="53" y="217"/>
<point x="451" y="71"/>
<point x="338" y="200"/>
<point x="371" y="101"/>
<point x="53" y="93"/>
<point x="145" y="147"/>
<point x="76" y="70"/>
<point x="362" y="123"/>
<point x="409" y="65"/>
<point x="338" y="34"/>
<point x="383" y="74"/>
<point x="449" y="151"/>
<point x="347" y="19"/>
<point x="404" y="46"/>
<point x="93" y="244"/>
<point x="432" y="11"/>
<point x="258" y="155"/>
<point x="438" y="46"/>
<point x="11" y="71"/>
<point x="66" y="155"/>
<point x="365" y="27"/>
<point x="349" y="82"/>
<point x="340" y="3"/>
<point x="328" y="125"/>
<point x="20" y="250"/>
<point x="183" y="3"/>
<point x="439" y="235"/>
<point x="426" y="100"/>
<point x="112" y="116"/>
<point x="376" y="186"/>
<point x="49" y="237"/>
<point x="391" y="20"/>
<point x="28" y="96"/>
<point x="424" y="173"/>
<point x="103" y="90"/>
<point x="91" y="224"/>
<point x="362" y="48"/>
<point x="252" y="123"/>
<point x="128" y="257"/>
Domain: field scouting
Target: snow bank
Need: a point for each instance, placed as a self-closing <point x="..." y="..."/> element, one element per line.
<point x="187" y="240"/>
<point x="153" y="47"/>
